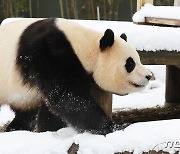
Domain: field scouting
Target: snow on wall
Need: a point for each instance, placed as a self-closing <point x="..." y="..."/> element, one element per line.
<point x="149" y="10"/>
<point x="142" y="37"/>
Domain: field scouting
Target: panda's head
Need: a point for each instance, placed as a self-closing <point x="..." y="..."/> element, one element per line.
<point x="118" y="68"/>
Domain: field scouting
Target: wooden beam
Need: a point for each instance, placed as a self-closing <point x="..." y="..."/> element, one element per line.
<point x="102" y="97"/>
<point x="172" y="85"/>
<point x="160" y="57"/>
<point x="162" y="21"/>
<point x="141" y="3"/>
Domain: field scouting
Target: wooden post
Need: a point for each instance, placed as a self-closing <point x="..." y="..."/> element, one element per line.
<point x="141" y="3"/>
<point x="176" y="2"/>
<point x="104" y="98"/>
<point x="172" y="85"/>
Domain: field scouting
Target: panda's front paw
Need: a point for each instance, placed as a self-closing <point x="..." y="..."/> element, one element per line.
<point x="117" y="127"/>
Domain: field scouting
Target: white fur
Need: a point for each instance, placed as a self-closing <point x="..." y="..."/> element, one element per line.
<point x="108" y="67"/>
<point x="12" y="90"/>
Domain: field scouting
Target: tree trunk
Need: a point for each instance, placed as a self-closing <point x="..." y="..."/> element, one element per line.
<point x="7" y="14"/>
<point x="92" y="7"/>
<point x="61" y="8"/>
<point x="75" y="9"/>
<point x="117" y="10"/>
<point x="16" y="8"/>
<point x="67" y="9"/>
<point x="3" y="9"/>
<point x="30" y="9"/>
<point x="104" y="8"/>
<point x="131" y="6"/>
<point x="110" y="9"/>
<point x="37" y="8"/>
<point x="11" y="9"/>
<point x="88" y="9"/>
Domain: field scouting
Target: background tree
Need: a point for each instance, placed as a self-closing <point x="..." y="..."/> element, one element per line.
<point x="78" y="9"/>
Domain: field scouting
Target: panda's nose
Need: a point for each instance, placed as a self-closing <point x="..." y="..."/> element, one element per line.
<point x="148" y="77"/>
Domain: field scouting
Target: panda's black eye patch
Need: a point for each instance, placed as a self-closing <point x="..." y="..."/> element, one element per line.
<point x="130" y="65"/>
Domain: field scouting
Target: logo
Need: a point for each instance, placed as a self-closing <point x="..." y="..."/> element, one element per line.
<point x="170" y="145"/>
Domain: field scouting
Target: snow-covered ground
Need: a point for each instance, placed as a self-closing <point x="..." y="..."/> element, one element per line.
<point x="139" y="137"/>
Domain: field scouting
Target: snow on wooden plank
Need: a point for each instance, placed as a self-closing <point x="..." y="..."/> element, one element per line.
<point x="165" y="12"/>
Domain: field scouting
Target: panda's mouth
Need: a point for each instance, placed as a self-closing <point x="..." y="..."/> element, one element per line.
<point x="137" y="85"/>
<point x="121" y="94"/>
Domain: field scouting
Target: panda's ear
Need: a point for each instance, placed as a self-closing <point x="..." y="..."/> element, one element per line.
<point x="124" y="37"/>
<point x="107" y="40"/>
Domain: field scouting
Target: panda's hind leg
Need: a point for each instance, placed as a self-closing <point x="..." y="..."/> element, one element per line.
<point x="24" y="120"/>
<point x="47" y="121"/>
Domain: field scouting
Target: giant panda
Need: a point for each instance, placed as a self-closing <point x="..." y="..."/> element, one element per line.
<point x="51" y="63"/>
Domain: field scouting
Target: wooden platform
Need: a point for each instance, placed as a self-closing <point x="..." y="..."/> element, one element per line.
<point x="160" y="57"/>
<point x="162" y="21"/>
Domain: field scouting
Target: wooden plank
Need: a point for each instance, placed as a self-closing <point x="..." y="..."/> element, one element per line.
<point x="172" y="85"/>
<point x="160" y="57"/>
<point x="75" y="147"/>
<point x="162" y="21"/>
<point x="176" y="2"/>
<point x="141" y="3"/>
<point x="102" y="97"/>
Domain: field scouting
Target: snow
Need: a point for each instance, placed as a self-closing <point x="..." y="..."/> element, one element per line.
<point x="149" y="10"/>
<point x="24" y="142"/>
<point x="139" y="137"/>
<point x="142" y="37"/>
<point x="6" y="115"/>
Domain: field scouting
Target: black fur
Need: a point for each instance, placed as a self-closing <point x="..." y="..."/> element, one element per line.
<point x="47" y="61"/>
<point x="107" y="40"/>
<point x="24" y="120"/>
<point x="130" y="65"/>
<point x="124" y="37"/>
<point x="47" y="121"/>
